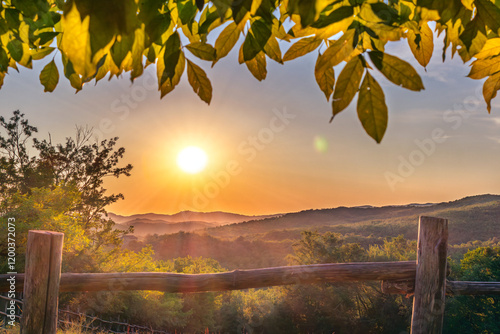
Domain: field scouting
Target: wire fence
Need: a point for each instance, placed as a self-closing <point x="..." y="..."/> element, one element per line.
<point x="69" y="319"/>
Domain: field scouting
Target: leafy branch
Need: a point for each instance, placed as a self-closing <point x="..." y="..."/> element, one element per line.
<point x="99" y="39"/>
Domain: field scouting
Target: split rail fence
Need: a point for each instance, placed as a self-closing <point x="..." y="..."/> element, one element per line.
<point x="424" y="278"/>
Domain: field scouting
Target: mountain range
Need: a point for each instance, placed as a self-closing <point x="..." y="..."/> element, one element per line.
<point x="470" y="218"/>
<point x="187" y="221"/>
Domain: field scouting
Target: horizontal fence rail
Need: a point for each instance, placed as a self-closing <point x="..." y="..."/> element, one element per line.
<point x="396" y="277"/>
<point x="232" y="280"/>
<point x="453" y="288"/>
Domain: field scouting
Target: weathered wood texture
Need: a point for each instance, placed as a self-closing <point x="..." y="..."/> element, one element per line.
<point x="457" y="288"/>
<point x="430" y="279"/>
<point x="41" y="282"/>
<point x="233" y="280"/>
<point x="453" y="288"/>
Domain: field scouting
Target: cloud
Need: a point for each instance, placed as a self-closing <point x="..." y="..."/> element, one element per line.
<point x="495" y="139"/>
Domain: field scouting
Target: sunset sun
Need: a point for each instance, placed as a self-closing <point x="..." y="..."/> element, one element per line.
<point x="192" y="159"/>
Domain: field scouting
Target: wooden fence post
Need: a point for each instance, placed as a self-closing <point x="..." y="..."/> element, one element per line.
<point x="41" y="282"/>
<point x="430" y="279"/>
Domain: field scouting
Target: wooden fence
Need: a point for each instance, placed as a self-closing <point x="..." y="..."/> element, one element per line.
<point x="424" y="278"/>
<point x="68" y="319"/>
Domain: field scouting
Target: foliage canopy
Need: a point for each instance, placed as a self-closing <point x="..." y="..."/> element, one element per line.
<point x="95" y="38"/>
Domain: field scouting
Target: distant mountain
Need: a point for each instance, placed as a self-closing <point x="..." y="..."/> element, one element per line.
<point x="470" y="218"/>
<point x="187" y="221"/>
<point x="145" y="226"/>
<point x="221" y="218"/>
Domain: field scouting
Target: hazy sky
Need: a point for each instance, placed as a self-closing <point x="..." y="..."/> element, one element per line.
<point x="270" y="146"/>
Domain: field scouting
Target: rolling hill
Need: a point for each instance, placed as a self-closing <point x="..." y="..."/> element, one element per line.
<point x="470" y="218"/>
<point x="187" y="221"/>
<point x="267" y="241"/>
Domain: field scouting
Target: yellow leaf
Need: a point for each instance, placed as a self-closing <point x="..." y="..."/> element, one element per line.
<point x="325" y="80"/>
<point x="347" y="85"/>
<point x="423" y="49"/>
<point x="372" y="110"/>
<point x="490" y="88"/>
<point x="199" y="81"/>
<point x="75" y="42"/>
<point x="169" y="84"/>
<point x="490" y="48"/>
<point x="226" y="41"/>
<point x="396" y="70"/>
<point x="272" y="49"/>
<point x="302" y="47"/>
<point x="338" y="51"/>
<point x="49" y="77"/>
<point x="257" y="66"/>
<point x="482" y="68"/>
<point x="384" y="32"/>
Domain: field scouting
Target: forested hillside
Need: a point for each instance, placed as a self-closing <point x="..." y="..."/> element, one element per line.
<point x="471" y="218"/>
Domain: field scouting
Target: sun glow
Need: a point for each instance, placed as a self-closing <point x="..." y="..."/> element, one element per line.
<point x="192" y="159"/>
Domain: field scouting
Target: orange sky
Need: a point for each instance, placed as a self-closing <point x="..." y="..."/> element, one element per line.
<point x="271" y="148"/>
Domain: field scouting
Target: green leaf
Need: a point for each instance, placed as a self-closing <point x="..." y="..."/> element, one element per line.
<point x="301" y="48"/>
<point x="157" y="26"/>
<point x="15" y="48"/>
<point x="396" y="70"/>
<point x="240" y="10"/>
<point x="338" y="51"/>
<point x="121" y="49"/>
<point x="198" y="80"/>
<point x="38" y="54"/>
<point x="257" y="66"/>
<point x="347" y="84"/>
<point x="200" y="4"/>
<point x="250" y="47"/>
<point x="226" y="41"/>
<point x="489" y="13"/>
<point x="490" y="88"/>
<point x="473" y="38"/>
<point x="202" y="50"/>
<point x="262" y="33"/>
<point x="482" y="68"/>
<point x="337" y="15"/>
<point x="168" y="84"/>
<point x="69" y="72"/>
<point x="209" y="20"/>
<point x="306" y="10"/>
<point x="4" y="60"/>
<point x="187" y="10"/>
<point x="372" y="110"/>
<point x="421" y="44"/>
<point x="49" y="77"/>
<point x="47" y="37"/>
<point x="222" y="7"/>
<point x="171" y="56"/>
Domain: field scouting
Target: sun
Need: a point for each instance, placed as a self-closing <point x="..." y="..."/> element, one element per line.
<point x="192" y="159"/>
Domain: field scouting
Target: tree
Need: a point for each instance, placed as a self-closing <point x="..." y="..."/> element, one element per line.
<point x="475" y="314"/>
<point x="60" y="188"/>
<point x="99" y="38"/>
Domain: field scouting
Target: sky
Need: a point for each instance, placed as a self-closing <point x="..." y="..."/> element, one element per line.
<point x="270" y="146"/>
